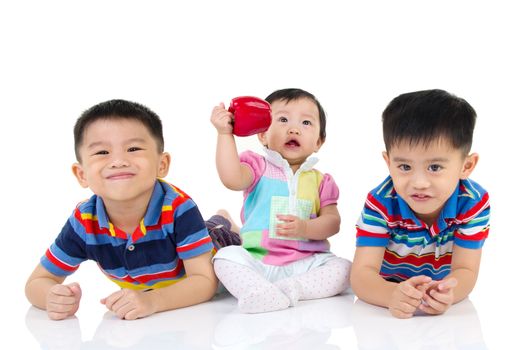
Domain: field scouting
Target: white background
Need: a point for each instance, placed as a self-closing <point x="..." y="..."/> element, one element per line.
<point x="58" y="58"/>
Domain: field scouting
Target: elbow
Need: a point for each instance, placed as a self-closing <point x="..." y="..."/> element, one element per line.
<point x="356" y="280"/>
<point x="337" y="223"/>
<point x="232" y="185"/>
<point x="212" y="290"/>
<point x="353" y="280"/>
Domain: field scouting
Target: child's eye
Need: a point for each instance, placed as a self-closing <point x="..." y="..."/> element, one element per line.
<point x="435" y="167"/>
<point x="283" y="119"/>
<point x="134" y="149"/>
<point x="404" y="167"/>
<point x="101" y="153"/>
<point x="307" y="122"/>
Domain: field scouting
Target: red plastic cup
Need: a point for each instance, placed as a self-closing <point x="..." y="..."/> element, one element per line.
<point x="251" y="115"/>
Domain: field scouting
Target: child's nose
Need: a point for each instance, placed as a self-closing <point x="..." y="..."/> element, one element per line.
<point x="294" y="131"/>
<point x="119" y="161"/>
<point x="420" y="181"/>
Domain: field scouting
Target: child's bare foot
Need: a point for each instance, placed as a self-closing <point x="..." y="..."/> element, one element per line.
<point x="225" y="214"/>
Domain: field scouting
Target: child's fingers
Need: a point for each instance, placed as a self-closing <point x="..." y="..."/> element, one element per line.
<point x="110" y="300"/>
<point x="285" y="218"/>
<point x="283" y="231"/>
<point x="444" y="298"/>
<point x="410" y="291"/>
<point x="434" y="304"/>
<point x="403" y="310"/>
<point x="428" y="309"/>
<point x="57" y="315"/>
<point x="59" y="308"/>
<point x="447" y="284"/>
<point x="61" y="290"/>
<point x="419" y="280"/>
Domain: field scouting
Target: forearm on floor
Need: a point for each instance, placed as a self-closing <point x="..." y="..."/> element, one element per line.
<point x="466" y="280"/>
<point x="192" y="290"/>
<point x="370" y="287"/>
<point x="37" y="290"/>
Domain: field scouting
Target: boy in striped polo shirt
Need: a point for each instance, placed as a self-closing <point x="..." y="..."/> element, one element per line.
<point x="420" y="234"/>
<point x="144" y="233"/>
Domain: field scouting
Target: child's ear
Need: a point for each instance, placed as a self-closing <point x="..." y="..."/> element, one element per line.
<point x="78" y="172"/>
<point x="164" y="165"/>
<point x="386" y="158"/>
<point x="469" y="165"/>
<point x="320" y="143"/>
<point x="262" y="138"/>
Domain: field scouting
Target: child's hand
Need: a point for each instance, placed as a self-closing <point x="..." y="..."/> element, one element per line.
<point x="291" y="226"/>
<point x="438" y="296"/>
<point x="407" y="297"/>
<point x="129" y="304"/>
<point x="222" y="119"/>
<point x="63" y="300"/>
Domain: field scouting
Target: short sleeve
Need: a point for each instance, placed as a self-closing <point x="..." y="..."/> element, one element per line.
<point x="328" y="191"/>
<point x="256" y="164"/>
<point x="192" y="237"/>
<point x="68" y="251"/>
<point x="474" y="229"/>
<point x="371" y="228"/>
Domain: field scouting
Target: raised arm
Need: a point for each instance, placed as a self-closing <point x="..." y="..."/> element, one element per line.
<point x="233" y="174"/>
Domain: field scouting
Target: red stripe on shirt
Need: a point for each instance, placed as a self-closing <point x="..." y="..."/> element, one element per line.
<point x="194" y="245"/>
<point x="392" y="220"/>
<point x="59" y="263"/>
<point x="416" y="260"/>
<point x="363" y="233"/>
<point x="172" y="274"/>
<point x="476" y="237"/>
<point x="476" y="209"/>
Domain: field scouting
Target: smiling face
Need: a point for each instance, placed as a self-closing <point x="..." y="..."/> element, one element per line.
<point x="426" y="176"/>
<point x="120" y="161"/>
<point x="294" y="130"/>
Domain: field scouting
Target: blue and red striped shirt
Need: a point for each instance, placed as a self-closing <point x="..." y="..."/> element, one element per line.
<point x="411" y="247"/>
<point x="151" y="257"/>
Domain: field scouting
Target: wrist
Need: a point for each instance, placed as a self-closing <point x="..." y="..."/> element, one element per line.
<point x="154" y="299"/>
<point x="304" y="229"/>
<point x="224" y="132"/>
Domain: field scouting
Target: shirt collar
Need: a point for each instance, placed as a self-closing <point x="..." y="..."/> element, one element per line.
<point x="276" y="159"/>
<point x="155" y="205"/>
<point x="100" y="211"/>
<point x="153" y="210"/>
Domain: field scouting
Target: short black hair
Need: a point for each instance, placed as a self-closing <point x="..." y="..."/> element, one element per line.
<point x="422" y="117"/>
<point x="118" y="109"/>
<point x="297" y="94"/>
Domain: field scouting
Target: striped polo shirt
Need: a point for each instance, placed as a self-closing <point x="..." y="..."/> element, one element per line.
<point x="411" y="247"/>
<point x="151" y="257"/>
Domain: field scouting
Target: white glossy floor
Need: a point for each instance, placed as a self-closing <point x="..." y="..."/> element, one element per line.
<point x="334" y="323"/>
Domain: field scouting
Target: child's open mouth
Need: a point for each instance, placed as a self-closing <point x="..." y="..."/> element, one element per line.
<point x="292" y="143"/>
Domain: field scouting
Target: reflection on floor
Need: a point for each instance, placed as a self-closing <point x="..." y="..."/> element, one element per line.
<point x="333" y="323"/>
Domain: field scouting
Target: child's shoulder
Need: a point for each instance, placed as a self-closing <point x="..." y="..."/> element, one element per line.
<point x="472" y="198"/>
<point x="169" y="193"/>
<point x="472" y="189"/>
<point x="88" y="205"/>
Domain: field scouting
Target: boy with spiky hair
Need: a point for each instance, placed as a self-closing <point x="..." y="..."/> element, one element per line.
<point x="420" y="234"/>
